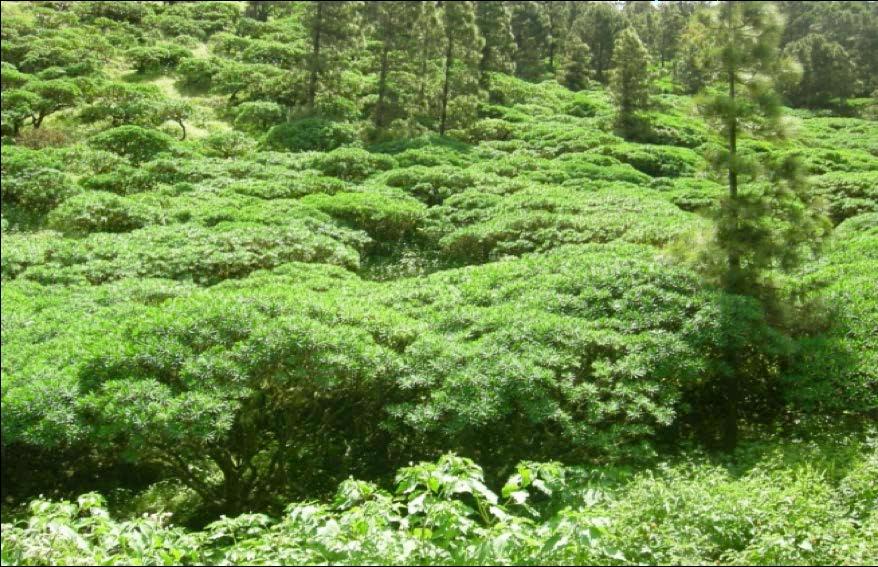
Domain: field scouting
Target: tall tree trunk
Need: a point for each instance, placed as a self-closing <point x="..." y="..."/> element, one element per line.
<point x="315" y="54"/>
<point x="732" y="389"/>
<point x="382" y="87"/>
<point x="445" y="87"/>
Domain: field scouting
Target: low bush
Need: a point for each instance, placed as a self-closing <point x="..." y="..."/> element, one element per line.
<point x="258" y="116"/>
<point x="430" y="185"/>
<point x="295" y="187"/>
<point x="37" y="191"/>
<point x="353" y="164"/>
<point x="158" y="57"/>
<point x="656" y="161"/>
<point x="133" y="142"/>
<point x="310" y="134"/>
<point x="197" y="72"/>
<point x="97" y="211"/>
<point x="227" y="144"/>
<point x="204" y="255"/>
<point x="848" y="194"/>
<point x="124" y="180"/>
<point x="538" y="219"/>
<point x="446" y="512"/>
<point x="383" y="217"/>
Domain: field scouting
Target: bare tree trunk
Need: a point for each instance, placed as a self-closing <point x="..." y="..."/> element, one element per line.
<point x="315" y="62"/>
<point x="382" y="87"/>
<point x="732" y="389"/>
<point x="445" y="87"/>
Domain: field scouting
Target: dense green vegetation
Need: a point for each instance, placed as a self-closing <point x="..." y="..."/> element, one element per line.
<point x="439" y="283"/>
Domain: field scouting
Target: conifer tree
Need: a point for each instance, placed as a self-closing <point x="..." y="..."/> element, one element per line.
<point x="598" y="26"/>
<point x="671" y="24"/>
<point x="761" y="226"/>
<point x="827" y="71"/>
<point x="575" y="70"/>
<point x="430" y="38"/>
<point x="462" y="53"/>
<point x="560" y="15"/>
<point x="494" y="20"/>
<point x="630" y="79"/>
<point x="530" y="24"/>
<point x="333" y="32"/>
<point x="260" y="9"/>
<point x="693" y="70"/>
<point x="394" y="32"/>
<point x="643" y="16"/>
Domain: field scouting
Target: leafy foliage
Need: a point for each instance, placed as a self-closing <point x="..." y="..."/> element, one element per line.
<point x="444" y="513"/>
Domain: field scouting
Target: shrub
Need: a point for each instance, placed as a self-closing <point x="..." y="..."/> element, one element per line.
<point x="43" y="138"/>
<point x="38" y="190"/>
<point x="258" y="116"/>
<point x="197" y="72"/>
<point x="508" y="91"/>
<point x="690" y="194"/>
<point x="837" y="370"/>
<point x="176" y="27"/>
<point x="448" y="508"/>
<point x="848" y="194"/>
<point x="97" y="211"/>
<point x="22" y="251"/>
<point x="432" y="156"/>
<point x="551" y="139"/>
<point x="311" y="134"/>
<point x="669" y="130"/>
<point x="490" y="129"/>
<point x="657" y="161"/>
<point x="587" y="104"/>
<point x="576" y="168"/>
<point x="126" y="12"/>
<point x="125" y="180"/>
<point x="295" y="187"/>
<point x="123" y="103"/>
<point x="430" y="184"/>
<point x="157" y="57"/>
<point x="211" y="17"/>
<point x="384" y="218"/>
<point x="228" y="144"/>
<point x="204" y="255"/>
<point x="541" y="218"/>
<point x="353" y="164"/>
<point x="133" y="142"/>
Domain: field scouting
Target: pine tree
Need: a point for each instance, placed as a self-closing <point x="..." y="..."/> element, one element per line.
<point x="643" y="16"/>
<point x="429" y="58"/>
<point x="394" y="32"/>
<point x="827" y="71"/>
<point x="575" y="70"/>
<point x="530" y="24"/>
<point x="494" y="20"/>
<point x="693" y="69"/>
<point x="630" y="79"/>
<point x="334" y="30"/>
<point x="760" y="226"/>
<point x="853" y="25"/>
<point x="260" y="9"/>
<point x="462" y="53"/>
<point x="671" y="24"/>
<point x="561" y="15"/>
<point x="599" y="25"/>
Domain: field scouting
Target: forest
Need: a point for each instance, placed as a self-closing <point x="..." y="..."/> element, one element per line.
<point x="439" y="283"/>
